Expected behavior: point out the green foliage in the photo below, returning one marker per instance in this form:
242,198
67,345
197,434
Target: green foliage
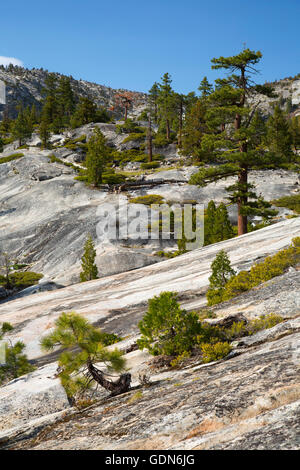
233,136
22,127
271,267
74,331
215,352
110,338
112,178
147,200
96,158
135,136
16,362
21,280
217,226
291,202
193,130
129,127
263,323
278,137
150,165
14,156
89,268
221,274
240,329
166,328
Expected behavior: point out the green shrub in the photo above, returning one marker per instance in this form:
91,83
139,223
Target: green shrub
14,156
263,323
150,165
215,352
113,178
147,200
134,136
271,267
16,363
166,328
291,202
237,285
81,177
222,272
160,140
21,280
54,159
129,127
110,338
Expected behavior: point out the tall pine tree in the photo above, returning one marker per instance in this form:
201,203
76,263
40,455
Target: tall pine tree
89,268
228,118
96,157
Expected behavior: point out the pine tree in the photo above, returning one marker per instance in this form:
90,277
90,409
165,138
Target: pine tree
223,228
295,132
228,118
278,137
153,95
66,99
16,362
221,273
193,129
166,104
217,226
166,328
96,157
209,223
182,104
44,132
85,112
22,128
50,111
205,88
84,348
89,268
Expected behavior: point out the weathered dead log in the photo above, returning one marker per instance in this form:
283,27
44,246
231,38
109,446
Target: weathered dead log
130,185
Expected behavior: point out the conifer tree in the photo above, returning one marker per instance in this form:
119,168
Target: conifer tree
223,228
22,128
153,100
84,347
89,268
295,132
278,137
228,118
16,362
193,129
166,103
44,132
209,223
66,99
85,112
217,226
96,157
205,88
221,273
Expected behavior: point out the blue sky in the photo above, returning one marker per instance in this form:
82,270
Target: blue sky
130,44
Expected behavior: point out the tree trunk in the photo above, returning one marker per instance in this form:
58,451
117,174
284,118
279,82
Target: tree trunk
168,129
242,201
125,112
149,139
180,124
122,385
